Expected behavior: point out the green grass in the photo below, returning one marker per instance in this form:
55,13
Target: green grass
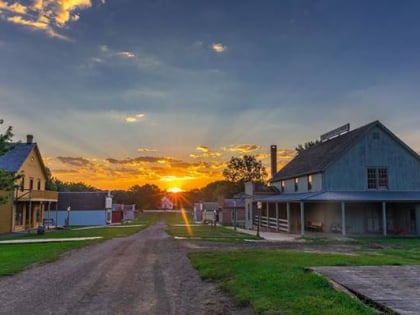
275,281
206,233
179,225
15,258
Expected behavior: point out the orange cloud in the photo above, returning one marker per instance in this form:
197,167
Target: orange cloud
242,148
45,15
163,171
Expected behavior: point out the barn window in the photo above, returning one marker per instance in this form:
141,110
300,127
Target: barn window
296,184
371,178
309,182
382,178
282,186
377,178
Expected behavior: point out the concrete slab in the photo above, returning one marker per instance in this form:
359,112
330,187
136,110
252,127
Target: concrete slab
395,288
271,236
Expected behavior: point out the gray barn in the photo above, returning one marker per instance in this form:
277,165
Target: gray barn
364,181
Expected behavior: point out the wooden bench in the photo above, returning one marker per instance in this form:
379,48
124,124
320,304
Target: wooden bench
315,226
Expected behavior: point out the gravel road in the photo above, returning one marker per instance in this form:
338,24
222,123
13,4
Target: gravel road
146,273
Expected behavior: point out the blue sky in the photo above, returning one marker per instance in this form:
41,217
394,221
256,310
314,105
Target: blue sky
165,92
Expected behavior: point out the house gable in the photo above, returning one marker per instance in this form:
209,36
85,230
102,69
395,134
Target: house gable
33,169
342,162
378,148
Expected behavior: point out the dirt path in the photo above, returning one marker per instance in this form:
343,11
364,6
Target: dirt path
146,273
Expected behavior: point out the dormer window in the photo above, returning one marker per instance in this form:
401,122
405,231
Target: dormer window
31,183
296,184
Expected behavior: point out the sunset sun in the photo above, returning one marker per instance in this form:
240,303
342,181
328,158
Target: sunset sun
174,190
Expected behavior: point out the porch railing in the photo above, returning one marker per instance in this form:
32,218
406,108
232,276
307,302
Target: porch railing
273,223
37,195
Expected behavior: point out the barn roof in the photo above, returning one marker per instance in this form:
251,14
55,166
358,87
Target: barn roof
318,157
82,200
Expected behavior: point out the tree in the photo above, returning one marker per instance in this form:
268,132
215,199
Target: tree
221,188
7,179
54,184
300,148
245,169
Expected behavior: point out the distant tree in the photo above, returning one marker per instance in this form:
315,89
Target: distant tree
300,148
221,188
144,197
244,169
54,184
7,179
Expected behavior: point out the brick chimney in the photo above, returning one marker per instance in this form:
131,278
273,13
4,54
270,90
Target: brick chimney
273,153
29,139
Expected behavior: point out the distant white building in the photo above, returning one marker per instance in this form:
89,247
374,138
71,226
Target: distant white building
166,203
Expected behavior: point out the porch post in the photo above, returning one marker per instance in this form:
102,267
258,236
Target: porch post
288,216
277,215
343,218
384,223
56,214
302,218
30,214
267,205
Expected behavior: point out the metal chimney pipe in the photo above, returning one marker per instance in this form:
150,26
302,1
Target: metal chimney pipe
273,153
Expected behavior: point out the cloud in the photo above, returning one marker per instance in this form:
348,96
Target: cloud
134,119
203,148
218,48
49,16
242,148
125,54
74,161
146,150
205,152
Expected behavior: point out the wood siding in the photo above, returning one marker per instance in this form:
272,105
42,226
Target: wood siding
375,149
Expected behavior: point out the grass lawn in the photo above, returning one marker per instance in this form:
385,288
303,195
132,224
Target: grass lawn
276,282
16,257
180,225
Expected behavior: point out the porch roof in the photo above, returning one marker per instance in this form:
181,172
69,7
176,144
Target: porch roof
357,196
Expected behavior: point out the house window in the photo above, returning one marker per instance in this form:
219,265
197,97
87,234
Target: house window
309,182
296,184
371,178
39,184
377,178
282,186
382,178
375,136
22,184
31,183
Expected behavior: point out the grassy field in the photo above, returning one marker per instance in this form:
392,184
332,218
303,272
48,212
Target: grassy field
16,257
276,281
270,281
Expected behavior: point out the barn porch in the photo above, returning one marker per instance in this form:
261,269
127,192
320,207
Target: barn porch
358,213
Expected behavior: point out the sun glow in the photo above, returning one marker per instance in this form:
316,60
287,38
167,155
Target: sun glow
174,190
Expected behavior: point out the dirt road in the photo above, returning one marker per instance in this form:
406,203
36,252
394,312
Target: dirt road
146,273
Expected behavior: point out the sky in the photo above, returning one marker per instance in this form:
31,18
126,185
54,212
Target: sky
131,92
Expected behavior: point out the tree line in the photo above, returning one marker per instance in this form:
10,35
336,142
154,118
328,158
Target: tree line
238,171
